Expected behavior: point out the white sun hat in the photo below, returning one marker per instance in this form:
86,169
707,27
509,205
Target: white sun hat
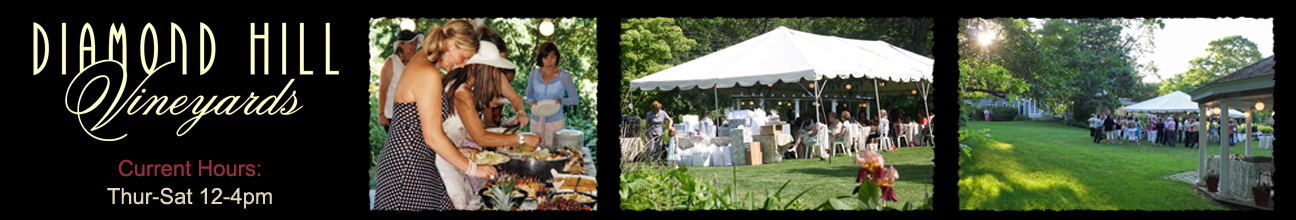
488,54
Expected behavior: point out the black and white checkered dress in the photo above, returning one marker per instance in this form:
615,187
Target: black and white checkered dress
407,173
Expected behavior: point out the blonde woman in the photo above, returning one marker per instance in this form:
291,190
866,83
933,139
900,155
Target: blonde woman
407,174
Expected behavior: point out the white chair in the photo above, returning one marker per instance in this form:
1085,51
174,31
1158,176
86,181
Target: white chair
863,136
903,136
884,139
846,141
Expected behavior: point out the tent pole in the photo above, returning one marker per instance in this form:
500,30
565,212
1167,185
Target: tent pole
927,110
877,100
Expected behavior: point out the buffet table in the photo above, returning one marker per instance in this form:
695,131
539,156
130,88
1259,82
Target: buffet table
532,203
1244,174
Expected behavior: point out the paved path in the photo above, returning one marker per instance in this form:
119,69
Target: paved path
1190,177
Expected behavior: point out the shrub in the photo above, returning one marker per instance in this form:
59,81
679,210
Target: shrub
1021,118
1003,113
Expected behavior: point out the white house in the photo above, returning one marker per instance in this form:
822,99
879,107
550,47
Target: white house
1025,107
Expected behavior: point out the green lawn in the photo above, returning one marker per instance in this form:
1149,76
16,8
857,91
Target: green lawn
1045,165
913,163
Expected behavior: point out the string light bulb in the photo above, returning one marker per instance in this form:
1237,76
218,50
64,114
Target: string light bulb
546,27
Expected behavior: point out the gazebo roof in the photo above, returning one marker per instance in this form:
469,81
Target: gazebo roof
1261,68
1242,88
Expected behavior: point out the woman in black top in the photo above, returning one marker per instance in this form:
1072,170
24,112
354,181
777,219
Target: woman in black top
1107,128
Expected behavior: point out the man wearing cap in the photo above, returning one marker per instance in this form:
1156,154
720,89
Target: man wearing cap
406,44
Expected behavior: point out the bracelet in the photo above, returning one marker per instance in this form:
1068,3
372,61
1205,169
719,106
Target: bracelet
472,168
521,140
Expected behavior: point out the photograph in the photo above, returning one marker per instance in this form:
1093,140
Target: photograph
1116,114
776,114
512,106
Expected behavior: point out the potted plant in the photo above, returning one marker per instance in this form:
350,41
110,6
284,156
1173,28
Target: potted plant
1212,181
1261,192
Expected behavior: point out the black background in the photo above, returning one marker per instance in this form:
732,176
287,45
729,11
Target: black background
312,161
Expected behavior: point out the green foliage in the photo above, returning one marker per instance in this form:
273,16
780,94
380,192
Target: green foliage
868,198
649,45
1265,128
1065,62
675,189
1003,113
965,114
1021,118
967,136
1227,54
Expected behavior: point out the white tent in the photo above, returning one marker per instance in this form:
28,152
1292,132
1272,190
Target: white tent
1175,102
791,56
776,63
789,63
1233,113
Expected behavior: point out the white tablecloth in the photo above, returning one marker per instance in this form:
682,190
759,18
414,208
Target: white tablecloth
705,155
1266,142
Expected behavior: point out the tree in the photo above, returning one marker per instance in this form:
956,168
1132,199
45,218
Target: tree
1013,62
649,45
1062,64
1227,54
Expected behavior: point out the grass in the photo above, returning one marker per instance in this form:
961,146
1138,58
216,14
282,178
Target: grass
913,163
1028,165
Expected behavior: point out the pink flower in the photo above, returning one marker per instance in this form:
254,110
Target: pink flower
888,176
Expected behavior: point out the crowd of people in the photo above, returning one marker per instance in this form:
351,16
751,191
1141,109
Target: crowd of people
1159,131
461,75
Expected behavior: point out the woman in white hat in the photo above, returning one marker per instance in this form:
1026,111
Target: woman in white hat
470,90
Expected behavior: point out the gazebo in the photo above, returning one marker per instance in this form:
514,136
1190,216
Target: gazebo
1249,88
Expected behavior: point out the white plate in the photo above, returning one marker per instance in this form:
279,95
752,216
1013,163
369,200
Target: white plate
545,108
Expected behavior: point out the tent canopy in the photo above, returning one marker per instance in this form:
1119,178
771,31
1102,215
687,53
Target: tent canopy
1175,102
785,57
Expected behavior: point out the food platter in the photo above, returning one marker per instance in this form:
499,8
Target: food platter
584,199
574,183
490,157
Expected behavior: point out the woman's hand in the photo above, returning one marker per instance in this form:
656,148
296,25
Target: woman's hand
485,172
558,101
522,118
534,102
531,140
383,121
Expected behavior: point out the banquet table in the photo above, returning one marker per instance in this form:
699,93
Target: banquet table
1244,174
1266,141
532,204
910,132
